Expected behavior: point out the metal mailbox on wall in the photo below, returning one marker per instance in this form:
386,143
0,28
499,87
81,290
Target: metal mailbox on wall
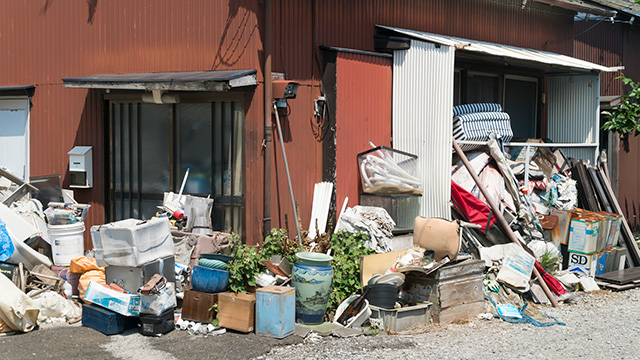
81,167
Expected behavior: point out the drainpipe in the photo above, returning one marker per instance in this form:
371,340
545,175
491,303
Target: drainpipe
268,130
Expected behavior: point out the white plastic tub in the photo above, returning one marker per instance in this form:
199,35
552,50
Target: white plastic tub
67,242
403,318
132,242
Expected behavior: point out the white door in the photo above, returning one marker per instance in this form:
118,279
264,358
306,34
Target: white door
14,136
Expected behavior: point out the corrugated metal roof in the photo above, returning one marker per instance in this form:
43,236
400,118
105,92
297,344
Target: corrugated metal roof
219,80
580,6
356,52
562,62
628,6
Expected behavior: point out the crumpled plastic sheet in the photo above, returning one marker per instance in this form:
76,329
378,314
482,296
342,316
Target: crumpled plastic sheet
567,191
55,308
373,221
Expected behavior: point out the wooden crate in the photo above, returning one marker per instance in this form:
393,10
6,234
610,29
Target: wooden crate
456,291
237,311
198,306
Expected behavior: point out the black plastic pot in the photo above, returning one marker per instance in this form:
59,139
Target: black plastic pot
382,295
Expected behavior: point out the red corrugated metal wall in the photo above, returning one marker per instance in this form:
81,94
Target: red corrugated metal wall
601,43
351,24
43,41
629,161
363,114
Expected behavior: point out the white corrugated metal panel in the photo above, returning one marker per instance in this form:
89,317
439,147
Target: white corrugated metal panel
512,52
574,108
422,112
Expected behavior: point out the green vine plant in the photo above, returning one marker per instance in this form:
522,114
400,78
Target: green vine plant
346,249
623,118
278,242
247,260
244,266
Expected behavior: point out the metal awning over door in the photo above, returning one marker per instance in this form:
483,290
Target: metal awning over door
423,101
218,80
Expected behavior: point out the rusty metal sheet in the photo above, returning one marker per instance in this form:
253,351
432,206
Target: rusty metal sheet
363,114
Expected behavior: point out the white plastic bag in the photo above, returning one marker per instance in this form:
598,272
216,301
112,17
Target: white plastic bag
17,310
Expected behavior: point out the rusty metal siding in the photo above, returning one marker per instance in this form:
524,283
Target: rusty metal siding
304,156
44,41
350,23
629,161
601,43
363,114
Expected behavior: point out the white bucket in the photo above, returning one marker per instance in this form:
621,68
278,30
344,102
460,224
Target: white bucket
67,242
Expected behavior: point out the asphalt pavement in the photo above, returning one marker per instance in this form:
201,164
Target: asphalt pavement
79,342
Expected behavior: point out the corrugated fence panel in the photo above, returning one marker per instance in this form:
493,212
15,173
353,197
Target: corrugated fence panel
363,114
422,118
574,112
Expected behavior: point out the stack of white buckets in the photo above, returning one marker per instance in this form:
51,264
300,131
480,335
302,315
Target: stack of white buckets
67,242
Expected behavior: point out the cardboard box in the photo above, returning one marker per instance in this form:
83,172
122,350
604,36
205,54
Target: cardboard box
564,223
237,311
614,229
588,264
616,258
583,237
123,303
159,303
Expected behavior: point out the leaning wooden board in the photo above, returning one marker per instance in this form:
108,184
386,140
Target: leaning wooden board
377,264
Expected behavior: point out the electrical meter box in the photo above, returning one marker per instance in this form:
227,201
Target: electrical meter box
81,167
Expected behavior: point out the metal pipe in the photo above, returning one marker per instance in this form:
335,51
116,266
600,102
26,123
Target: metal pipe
536,145
501,219
286,168
268,130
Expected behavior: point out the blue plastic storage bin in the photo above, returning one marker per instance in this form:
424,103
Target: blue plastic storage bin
106,321
209,280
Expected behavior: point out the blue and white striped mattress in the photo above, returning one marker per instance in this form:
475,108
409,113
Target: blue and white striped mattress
476,126
476,108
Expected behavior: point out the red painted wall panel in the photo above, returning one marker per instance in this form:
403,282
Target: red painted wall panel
363,114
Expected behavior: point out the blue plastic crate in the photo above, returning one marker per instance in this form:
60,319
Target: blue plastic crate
275,311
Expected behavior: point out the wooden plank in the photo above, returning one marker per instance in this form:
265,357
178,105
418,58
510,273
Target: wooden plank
459,270
633,258
462,292
463,312
377,264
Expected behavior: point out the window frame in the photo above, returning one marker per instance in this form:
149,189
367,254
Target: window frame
234,202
